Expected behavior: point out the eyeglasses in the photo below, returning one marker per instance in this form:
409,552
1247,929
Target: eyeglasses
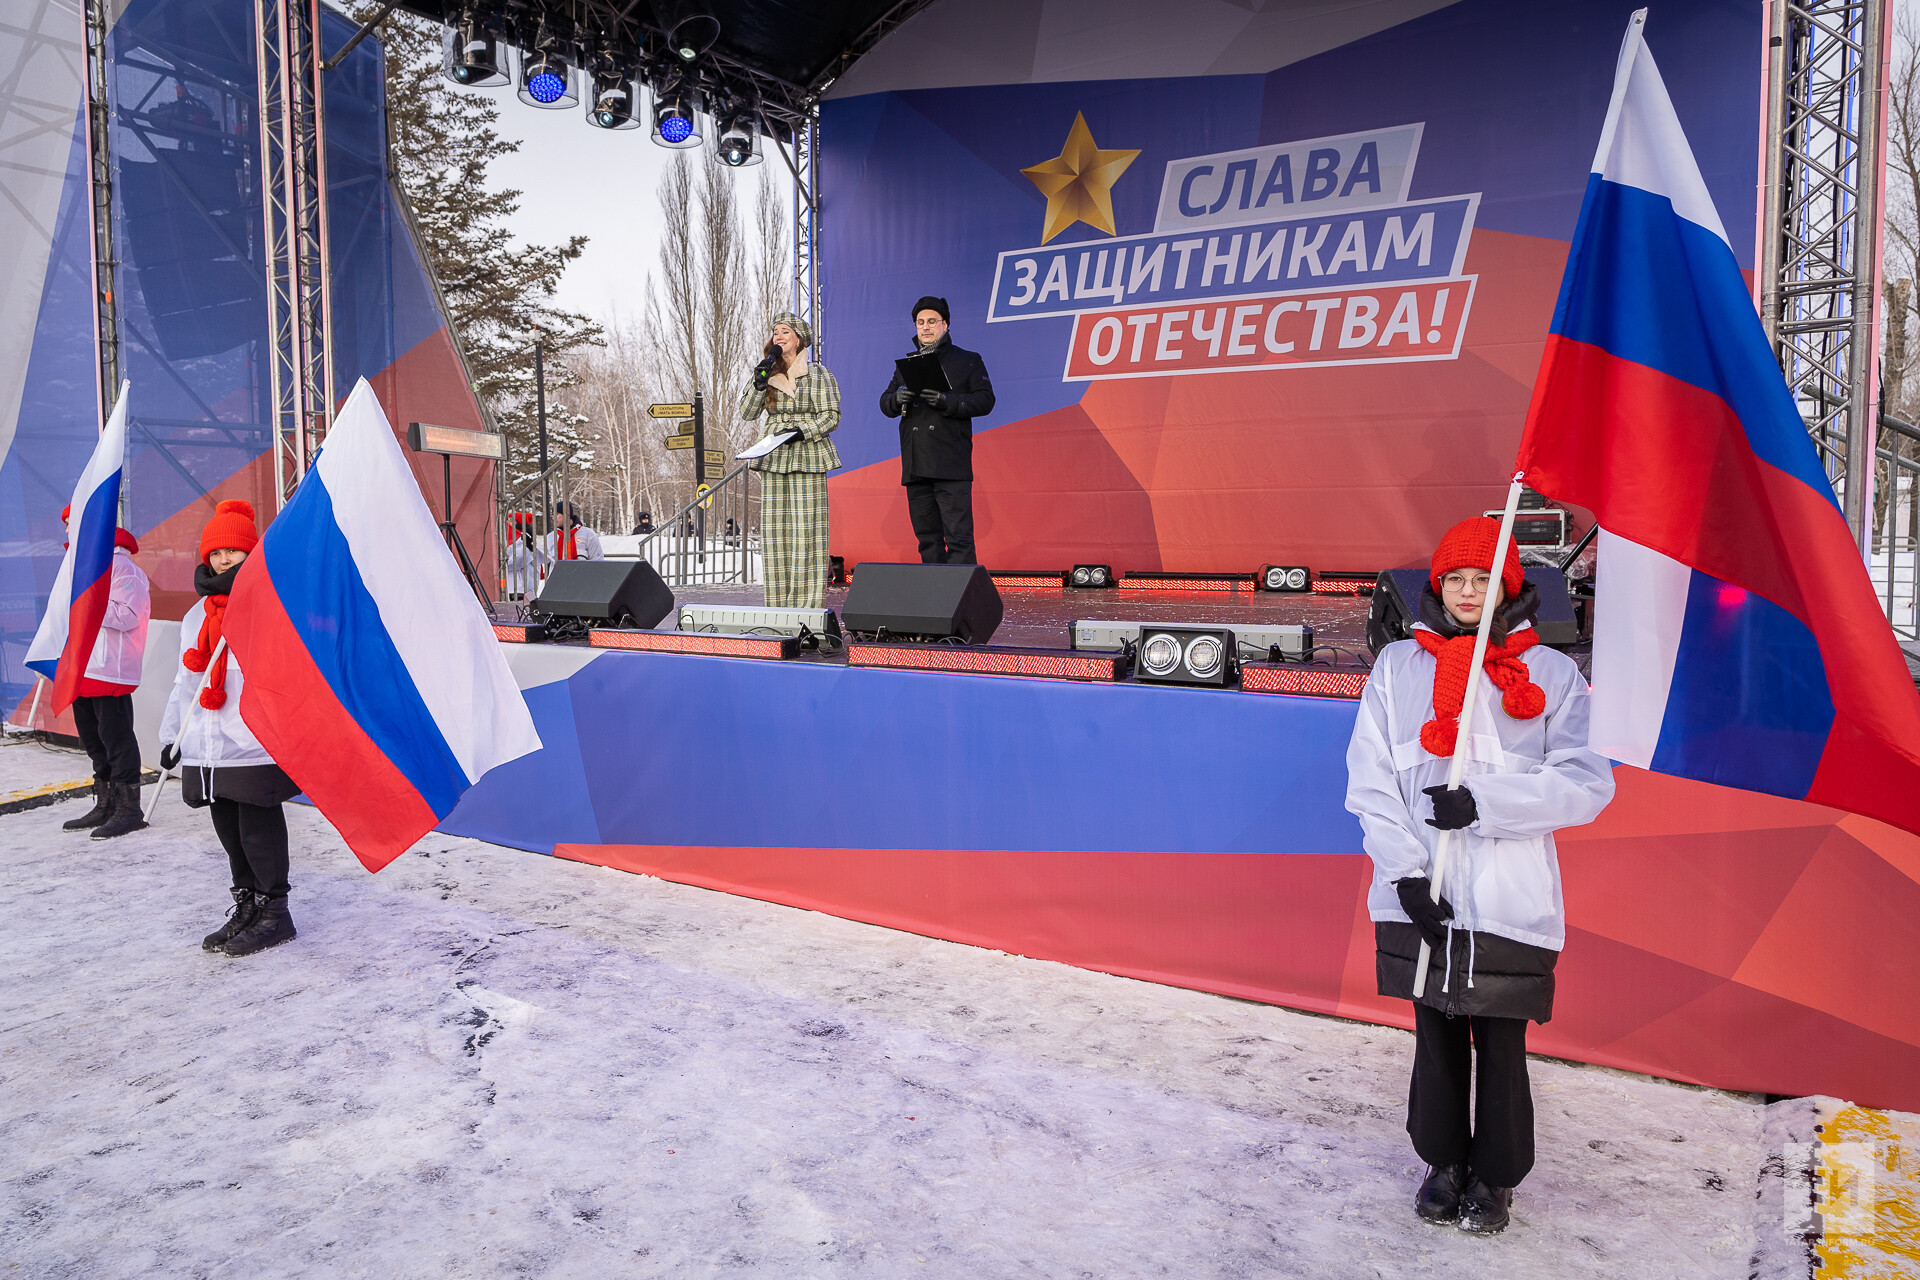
1479,582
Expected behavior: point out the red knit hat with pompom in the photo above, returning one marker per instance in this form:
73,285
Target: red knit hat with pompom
1469,545
231,528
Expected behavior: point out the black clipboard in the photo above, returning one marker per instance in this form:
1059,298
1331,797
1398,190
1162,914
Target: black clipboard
922,372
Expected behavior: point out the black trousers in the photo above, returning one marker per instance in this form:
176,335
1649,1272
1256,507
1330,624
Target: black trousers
105,726
1499,1146
255,838
942,515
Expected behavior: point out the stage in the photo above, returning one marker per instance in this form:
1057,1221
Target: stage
1198,837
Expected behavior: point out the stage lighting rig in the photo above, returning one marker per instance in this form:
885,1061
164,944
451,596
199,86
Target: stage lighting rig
1177,655
616,102
1284,577
676,119
736,141
691,30
1091,575
471,56
546,80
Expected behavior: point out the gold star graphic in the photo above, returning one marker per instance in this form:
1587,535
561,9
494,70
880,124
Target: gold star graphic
1078,183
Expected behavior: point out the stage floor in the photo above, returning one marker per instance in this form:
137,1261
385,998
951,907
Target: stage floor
1043,618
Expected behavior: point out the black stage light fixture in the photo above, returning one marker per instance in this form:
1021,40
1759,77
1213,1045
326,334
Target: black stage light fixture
735,142
1284,577
1091,575
472,57
676,122
616,102
546,80
691,29
1185,655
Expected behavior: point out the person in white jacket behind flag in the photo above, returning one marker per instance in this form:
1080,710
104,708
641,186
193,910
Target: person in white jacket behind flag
1499,925
103,713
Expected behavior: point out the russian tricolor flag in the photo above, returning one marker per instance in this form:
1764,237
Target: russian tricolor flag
78,604
1737,638
372,675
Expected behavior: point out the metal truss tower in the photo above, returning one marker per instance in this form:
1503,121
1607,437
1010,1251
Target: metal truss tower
1820,250
806,222
100,189
293,184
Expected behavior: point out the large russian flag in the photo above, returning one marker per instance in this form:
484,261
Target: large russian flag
78,603
1737,637
372,675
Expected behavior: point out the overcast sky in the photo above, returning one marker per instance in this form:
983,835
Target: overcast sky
575,179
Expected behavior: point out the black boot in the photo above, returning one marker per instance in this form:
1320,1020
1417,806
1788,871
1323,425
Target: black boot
125,814
102,805
271,926
1483,1209
1439,1197
245,908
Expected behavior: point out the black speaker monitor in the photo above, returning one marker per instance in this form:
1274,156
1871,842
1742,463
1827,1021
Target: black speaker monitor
1396,607
608,593
923,601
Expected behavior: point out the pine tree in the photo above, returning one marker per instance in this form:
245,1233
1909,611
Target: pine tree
498,293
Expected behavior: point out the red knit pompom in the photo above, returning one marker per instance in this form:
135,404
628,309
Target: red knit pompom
194,660
1524,701
1439,736
213,699
236,506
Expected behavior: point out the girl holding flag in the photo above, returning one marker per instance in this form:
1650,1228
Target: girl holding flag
224,767
1498,926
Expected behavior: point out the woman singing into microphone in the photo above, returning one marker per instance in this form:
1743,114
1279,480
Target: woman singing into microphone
795,396
1498,927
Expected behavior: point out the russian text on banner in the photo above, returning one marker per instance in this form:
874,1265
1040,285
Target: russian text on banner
81,589
1737,637
372,675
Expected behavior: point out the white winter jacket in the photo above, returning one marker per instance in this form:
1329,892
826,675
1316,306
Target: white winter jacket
585,542
1528,778
207,738
122,643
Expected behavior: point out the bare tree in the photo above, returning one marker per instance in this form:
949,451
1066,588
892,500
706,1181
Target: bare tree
1899,266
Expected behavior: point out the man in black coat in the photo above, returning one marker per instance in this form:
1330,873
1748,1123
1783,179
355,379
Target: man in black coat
936,439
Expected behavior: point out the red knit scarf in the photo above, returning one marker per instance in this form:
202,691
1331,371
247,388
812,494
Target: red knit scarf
214,696
566,545
1521,697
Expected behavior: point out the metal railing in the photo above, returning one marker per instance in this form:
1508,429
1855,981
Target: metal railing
1894,555
712,540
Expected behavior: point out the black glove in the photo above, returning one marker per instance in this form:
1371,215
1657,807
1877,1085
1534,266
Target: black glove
936,398
760,376
1452,809
169,758
1428,916
903,397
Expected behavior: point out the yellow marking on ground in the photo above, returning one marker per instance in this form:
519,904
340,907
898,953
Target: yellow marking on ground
1868,1189
51,787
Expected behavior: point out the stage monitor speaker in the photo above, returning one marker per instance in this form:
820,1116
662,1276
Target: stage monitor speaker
1396,607
608,592
923,602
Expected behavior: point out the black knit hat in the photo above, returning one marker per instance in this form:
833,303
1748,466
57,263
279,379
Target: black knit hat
931,303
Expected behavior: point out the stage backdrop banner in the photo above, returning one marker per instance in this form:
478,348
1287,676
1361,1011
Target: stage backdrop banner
1252,287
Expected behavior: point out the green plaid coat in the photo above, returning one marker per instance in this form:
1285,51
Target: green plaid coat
813,410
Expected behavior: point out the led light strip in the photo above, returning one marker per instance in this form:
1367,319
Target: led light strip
702,642
1156,582
519,633
1050,664
1309,682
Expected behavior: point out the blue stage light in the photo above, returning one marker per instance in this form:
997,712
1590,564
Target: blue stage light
676,129
546,87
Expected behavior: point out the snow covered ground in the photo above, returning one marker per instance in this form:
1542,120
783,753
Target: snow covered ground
483,1062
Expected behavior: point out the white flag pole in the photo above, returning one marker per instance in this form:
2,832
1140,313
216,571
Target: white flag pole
1458,768
153,805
